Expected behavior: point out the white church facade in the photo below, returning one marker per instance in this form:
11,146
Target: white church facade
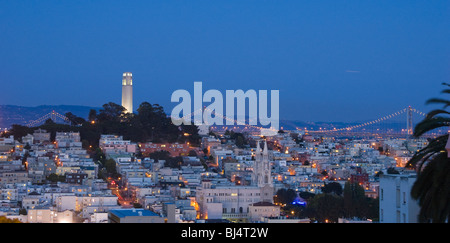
233,202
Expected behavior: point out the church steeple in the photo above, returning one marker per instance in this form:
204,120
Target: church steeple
258,152
261,167
262,176
265,152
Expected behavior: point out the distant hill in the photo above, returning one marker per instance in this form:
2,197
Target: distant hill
13,114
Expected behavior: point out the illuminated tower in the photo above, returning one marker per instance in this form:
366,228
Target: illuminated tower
127,92
261,176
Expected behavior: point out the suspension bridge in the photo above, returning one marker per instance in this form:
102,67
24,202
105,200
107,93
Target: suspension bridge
388,125
376,127
385,125
53,115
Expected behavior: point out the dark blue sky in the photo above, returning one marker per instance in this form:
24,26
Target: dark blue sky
331,60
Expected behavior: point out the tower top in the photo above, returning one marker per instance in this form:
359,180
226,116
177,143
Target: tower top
265,151
127,78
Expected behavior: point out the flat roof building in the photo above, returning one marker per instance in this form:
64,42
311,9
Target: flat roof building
134,215
396,203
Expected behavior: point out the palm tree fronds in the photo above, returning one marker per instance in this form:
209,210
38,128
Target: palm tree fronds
432,186
433,113
429,124
431,189
434,147
446,103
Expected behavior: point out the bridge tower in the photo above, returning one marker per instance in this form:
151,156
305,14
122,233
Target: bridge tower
409,123
53,115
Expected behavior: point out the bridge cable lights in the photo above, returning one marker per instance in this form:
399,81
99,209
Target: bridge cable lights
384,118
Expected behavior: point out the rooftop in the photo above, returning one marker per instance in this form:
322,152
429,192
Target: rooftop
132,212
263,204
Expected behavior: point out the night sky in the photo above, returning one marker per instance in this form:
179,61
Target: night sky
331,60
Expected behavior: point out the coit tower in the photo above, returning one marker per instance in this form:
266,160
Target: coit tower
127,92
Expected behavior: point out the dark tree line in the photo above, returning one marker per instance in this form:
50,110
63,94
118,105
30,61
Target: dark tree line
239,138
334,203
330,205
172,162
149,124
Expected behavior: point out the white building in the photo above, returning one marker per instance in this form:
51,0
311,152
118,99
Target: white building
68,140
115,144
396,204
259,211
86,204
127,92
40,215
99,218
233,202
229,202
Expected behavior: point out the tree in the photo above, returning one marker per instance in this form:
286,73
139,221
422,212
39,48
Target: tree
174,162
155,125
150,123
392,170
18,131
111,112
110,166
325,207
99,156
285,196
192,153
373,209
192,134
137,205
380,149
55,178
23,211
240,142
354,201
74,120
27,146
432,186
306,195
239,138
49,121
332,187
92,115
25,157
160,155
